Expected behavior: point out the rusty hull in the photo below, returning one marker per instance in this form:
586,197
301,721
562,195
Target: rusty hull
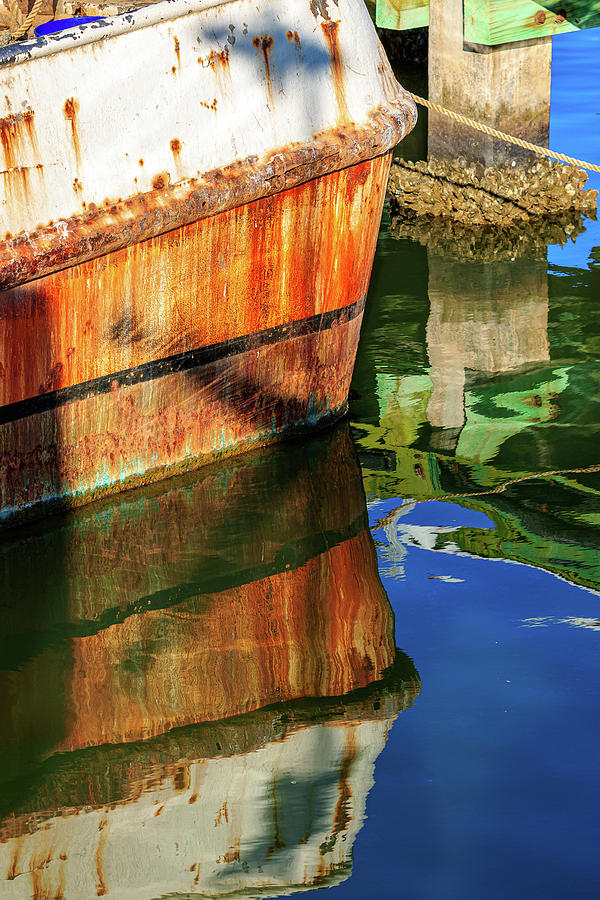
184,275
120,223
218,335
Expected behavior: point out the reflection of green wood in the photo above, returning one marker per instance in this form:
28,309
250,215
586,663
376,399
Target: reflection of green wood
508,414
494,22
402,14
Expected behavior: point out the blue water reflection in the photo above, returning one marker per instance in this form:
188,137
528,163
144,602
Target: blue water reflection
487,787
575,123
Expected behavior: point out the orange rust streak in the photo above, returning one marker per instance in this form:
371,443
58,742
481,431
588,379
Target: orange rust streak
302,252
71,109
295,37
343,815
265,45
330,30
11,136
101,888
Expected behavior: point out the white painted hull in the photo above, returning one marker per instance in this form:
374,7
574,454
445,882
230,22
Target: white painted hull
273,821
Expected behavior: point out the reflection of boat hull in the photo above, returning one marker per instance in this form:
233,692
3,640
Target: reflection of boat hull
151,643
273,806
222,830
241,603
213,307
322,629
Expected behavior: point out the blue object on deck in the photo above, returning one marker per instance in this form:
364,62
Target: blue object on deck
61,24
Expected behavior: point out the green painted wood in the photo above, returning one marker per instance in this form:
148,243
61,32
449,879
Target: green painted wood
402,14
493,22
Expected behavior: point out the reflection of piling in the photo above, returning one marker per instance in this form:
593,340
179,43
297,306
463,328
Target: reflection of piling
484,318
507,87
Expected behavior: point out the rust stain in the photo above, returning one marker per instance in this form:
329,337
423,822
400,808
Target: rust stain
233,854
216,59
159,810
17,182
330,30
278,842
161,181
77,186
176,151
343,815
41,878
13,870
11,136
207,105
141,162
295,37
193,798
71,109
321,8
177,52
101,888
265,45
222,815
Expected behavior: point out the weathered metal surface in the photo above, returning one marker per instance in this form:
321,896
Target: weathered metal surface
194,284
229,331
303,252
207,108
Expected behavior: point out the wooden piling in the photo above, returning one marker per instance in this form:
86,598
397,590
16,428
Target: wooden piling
507,87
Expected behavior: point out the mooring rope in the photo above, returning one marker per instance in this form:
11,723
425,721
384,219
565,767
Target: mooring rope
509,138
499,489
20,25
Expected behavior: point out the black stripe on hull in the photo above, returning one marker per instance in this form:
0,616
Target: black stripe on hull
179,362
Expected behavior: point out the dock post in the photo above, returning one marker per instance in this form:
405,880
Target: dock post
506,86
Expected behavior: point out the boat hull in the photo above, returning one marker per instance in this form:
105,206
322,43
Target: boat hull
223,334
187,240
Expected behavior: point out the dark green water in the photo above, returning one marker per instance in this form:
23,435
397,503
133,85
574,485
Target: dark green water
201,685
